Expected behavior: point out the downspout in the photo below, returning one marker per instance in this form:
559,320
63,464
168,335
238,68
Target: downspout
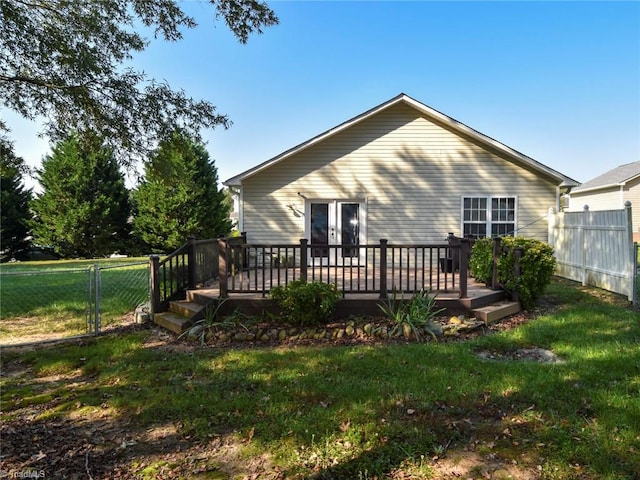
236,193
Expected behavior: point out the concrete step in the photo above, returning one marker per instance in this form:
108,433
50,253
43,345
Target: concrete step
185,308
172,321
497,311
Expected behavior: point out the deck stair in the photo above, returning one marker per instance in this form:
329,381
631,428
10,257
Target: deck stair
496,311
183,313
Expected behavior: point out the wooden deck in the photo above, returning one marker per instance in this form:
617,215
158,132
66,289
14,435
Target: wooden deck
248,291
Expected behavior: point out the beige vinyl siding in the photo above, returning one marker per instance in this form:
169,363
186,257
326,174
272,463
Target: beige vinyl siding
605,199
411,172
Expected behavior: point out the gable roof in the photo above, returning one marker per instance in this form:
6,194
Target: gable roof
439,117
616,177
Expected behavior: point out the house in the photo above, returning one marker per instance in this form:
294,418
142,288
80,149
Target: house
610,191
400,171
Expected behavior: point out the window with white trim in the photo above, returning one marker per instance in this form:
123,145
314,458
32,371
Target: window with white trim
488,216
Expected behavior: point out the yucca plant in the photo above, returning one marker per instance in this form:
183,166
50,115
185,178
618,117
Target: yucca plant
414,316
214,322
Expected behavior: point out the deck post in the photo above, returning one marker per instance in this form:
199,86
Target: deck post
517,272
383,268
303,259
154,280
222,266
496,258
464,266
192,268
245,252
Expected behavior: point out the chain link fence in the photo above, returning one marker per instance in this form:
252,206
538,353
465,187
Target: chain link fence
39,304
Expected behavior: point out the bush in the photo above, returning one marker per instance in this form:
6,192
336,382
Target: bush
306,304
537,266
413,316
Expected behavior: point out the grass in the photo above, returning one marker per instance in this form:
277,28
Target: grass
372,411
54,298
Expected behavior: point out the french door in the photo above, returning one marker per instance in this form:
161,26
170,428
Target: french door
335,222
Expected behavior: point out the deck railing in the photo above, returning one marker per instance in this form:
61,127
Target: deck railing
190,265
240,267
375,268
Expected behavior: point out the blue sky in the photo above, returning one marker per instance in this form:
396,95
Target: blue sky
557,81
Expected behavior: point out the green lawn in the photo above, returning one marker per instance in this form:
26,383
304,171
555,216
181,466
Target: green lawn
55,299
339,412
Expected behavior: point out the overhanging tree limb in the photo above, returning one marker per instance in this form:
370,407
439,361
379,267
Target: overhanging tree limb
63,60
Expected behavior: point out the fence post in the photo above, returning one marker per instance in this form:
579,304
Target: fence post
383,268
154,280
517,272
96,276
633,260
464,266
496,258
303,259
192,267
223,268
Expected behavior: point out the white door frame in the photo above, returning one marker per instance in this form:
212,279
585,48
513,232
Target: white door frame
334,231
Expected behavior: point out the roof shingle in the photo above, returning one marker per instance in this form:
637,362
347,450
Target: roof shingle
617,176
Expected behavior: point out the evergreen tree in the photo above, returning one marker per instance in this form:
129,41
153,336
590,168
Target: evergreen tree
179,196
84,209
14,201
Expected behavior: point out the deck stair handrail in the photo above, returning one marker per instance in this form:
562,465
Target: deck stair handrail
192,264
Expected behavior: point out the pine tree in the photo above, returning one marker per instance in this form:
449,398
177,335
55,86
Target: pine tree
84,209
179,196
14,201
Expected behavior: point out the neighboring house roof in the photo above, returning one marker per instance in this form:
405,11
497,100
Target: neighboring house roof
459,127
617,177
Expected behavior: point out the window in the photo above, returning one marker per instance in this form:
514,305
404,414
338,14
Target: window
488,216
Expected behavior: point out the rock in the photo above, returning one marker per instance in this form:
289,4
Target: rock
406,330
455,320
368,329
244,336
273,333
434,328
195,332
282,334
340,333
349,330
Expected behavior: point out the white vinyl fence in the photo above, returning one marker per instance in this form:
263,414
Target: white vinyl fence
596,248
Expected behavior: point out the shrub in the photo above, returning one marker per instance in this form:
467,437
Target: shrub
537,266
306,303
413,316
